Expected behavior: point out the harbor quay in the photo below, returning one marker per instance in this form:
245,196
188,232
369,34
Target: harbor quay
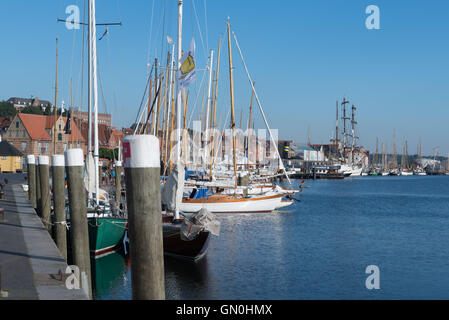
31,266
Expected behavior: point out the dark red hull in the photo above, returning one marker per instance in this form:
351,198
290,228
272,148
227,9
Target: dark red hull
175,246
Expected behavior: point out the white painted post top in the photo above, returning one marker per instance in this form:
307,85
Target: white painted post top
57,160
141,151
44,160
74,158
31,159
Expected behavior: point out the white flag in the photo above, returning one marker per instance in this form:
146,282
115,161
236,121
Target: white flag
187,73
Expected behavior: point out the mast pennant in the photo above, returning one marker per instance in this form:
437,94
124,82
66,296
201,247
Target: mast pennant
187,73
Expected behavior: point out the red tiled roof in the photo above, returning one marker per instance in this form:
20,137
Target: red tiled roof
104,133
75,135
35,126
50,121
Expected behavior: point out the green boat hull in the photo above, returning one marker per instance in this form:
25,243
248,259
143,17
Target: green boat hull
105,234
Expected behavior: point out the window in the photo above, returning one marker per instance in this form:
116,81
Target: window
39,146
17,124
59,136
47,147
24,146
59,127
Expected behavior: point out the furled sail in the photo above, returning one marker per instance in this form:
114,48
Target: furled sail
173,189
89,174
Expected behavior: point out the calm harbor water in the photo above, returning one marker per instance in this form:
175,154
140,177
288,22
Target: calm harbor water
319,248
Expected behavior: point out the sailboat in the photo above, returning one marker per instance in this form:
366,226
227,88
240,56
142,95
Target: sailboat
236,202
106,226
184,236
405,170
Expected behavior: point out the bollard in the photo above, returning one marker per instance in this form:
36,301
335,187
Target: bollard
143,196
44,177
78,215
2,214
118,182
58,184
38,188
31,163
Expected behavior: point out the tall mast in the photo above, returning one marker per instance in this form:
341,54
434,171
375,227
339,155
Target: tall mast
249,127
217,71
165,105
156,81
93,61
231,82
178,99
169,106
208,106
344,126
89,82
353,123
376,157
251,107
336,132
56,100
394,160
383,156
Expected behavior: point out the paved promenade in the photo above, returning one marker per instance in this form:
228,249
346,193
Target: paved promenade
29,258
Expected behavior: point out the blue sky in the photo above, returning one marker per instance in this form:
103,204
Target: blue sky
303,55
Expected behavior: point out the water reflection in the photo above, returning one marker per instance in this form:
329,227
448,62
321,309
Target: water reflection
110,276
186,279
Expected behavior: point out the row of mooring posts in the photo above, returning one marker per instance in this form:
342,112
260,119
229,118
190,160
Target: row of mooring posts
142,179
39,196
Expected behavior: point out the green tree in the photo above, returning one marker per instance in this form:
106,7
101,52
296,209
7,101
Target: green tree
108,153
32,110
47,110
7,109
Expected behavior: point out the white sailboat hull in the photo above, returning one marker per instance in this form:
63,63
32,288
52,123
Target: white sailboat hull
230,205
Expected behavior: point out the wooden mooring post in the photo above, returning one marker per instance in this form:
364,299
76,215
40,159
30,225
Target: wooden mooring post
44,177
31,166
143,196
118,182
58,185
78,216
38,188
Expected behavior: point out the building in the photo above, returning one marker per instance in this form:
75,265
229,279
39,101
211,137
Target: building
33,134
103,118
21,103
108,137
10,158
